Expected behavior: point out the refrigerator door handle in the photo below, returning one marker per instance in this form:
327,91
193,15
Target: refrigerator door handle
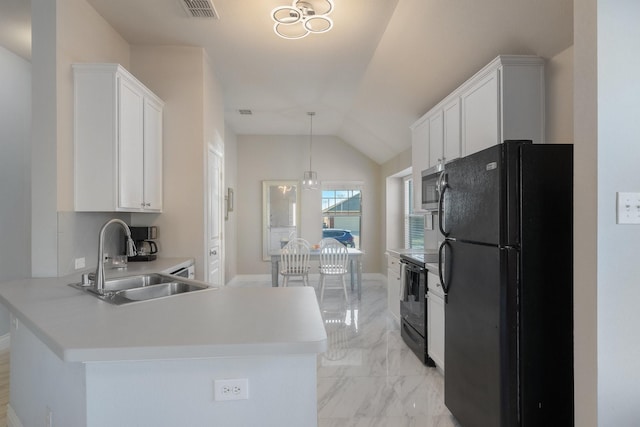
442,186
441,255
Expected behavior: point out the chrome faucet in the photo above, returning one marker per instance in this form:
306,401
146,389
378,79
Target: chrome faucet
131,251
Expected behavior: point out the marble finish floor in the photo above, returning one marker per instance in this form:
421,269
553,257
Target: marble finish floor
368,377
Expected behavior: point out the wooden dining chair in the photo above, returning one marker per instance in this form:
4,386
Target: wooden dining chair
334,258
294,261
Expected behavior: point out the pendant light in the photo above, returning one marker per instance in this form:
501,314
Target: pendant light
310,179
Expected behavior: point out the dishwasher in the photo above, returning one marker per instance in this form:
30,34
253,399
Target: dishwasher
188,272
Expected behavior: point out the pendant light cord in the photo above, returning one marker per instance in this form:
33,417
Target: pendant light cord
311,114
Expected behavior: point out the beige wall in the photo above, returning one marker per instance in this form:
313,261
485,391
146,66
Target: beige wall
185,80
585,213
392,201
63,32
176,74
286,158
69,31
82,36
559,98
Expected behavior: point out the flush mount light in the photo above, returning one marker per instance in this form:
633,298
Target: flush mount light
302,18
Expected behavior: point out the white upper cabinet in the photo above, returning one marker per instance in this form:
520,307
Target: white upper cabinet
419,158
480,114
451,115
504,100
117,141
436,139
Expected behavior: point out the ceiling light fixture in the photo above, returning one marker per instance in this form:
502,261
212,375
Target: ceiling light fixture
310,178
302,18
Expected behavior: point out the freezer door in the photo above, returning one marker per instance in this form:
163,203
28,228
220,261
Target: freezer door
472,198
480,335
481,196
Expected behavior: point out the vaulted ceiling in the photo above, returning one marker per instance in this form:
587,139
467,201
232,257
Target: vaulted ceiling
383,65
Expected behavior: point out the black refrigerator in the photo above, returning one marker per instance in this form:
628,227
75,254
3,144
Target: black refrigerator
506,264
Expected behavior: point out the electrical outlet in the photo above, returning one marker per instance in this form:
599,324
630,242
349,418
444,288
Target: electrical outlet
236,389
79,263
628,208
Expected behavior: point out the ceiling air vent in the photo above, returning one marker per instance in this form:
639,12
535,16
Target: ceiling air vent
199,8
245,112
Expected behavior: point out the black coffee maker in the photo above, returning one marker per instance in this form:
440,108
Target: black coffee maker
146,248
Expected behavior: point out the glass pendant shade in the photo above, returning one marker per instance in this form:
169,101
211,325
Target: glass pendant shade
310,180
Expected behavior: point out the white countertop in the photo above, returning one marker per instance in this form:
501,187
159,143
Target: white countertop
224,322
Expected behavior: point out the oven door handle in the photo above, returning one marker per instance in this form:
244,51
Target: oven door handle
405,290
403,285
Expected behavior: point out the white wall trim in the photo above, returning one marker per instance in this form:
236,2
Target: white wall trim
5,341
12,418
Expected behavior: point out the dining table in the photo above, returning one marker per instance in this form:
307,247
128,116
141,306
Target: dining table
355,266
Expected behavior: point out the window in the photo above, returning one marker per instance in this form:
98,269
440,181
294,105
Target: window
342,213
413,223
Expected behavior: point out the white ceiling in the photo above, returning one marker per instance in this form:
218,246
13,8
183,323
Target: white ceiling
383,65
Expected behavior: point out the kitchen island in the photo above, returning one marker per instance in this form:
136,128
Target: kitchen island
84,362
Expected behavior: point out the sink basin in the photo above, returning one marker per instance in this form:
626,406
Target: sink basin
159,291
144,287
130,282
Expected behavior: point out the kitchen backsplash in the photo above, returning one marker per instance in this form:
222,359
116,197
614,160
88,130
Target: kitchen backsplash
432,238
78,237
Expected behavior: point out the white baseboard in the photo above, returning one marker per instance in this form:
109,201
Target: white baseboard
12,418
313,277
5,341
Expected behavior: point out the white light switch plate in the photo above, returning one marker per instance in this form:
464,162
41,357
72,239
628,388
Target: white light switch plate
628,211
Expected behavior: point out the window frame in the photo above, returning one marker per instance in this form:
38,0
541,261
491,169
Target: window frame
354,186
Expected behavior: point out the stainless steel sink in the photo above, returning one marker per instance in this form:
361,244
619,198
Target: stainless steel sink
144,287
159,291
130,282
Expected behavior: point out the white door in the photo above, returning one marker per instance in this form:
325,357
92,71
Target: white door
215,274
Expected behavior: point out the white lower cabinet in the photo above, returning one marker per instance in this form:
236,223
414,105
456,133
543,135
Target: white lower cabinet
435,320
394,282
117,141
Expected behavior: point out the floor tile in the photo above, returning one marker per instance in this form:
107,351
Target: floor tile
368,377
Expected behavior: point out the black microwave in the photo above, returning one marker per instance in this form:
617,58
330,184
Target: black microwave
431,188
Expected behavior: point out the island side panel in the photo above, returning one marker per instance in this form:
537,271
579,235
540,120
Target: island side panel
40,382
282,391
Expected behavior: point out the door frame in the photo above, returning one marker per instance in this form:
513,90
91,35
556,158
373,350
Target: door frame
216,148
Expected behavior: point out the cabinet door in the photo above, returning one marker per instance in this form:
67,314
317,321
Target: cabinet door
393,286
435,325
130,145
436,139
419,159
481,114
435,319
152,156
452,130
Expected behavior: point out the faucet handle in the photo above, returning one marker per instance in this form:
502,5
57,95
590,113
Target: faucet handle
87,279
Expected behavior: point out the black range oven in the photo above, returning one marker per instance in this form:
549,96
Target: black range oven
413,307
